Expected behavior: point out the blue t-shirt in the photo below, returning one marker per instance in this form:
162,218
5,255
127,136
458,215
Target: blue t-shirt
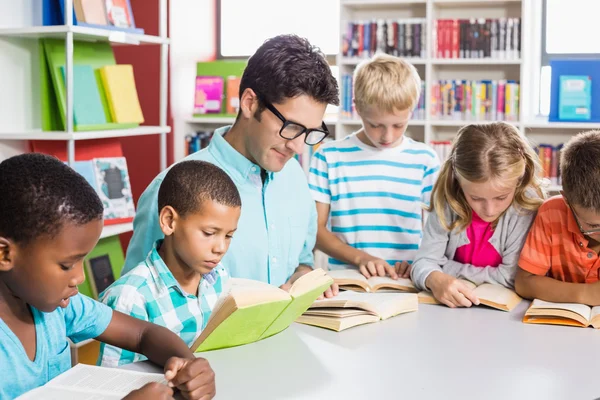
83,319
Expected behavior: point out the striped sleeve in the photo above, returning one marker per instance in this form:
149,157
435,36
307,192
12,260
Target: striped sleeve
429,178
128,300
318,178
536,255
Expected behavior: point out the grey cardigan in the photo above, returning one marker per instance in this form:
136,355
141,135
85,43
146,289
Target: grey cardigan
438,246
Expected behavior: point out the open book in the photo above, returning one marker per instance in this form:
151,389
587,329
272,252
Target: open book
572,314
350,309
253,310
87,382
491,295
352,279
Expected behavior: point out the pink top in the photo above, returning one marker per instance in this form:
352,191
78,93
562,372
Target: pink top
479,252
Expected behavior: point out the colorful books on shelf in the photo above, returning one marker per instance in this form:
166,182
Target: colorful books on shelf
252,310
89,59
442,148
498,38
468,100
233,94
398,37
349,309
110,177
209,94
102,14
102,266
550,161
570,314
197,141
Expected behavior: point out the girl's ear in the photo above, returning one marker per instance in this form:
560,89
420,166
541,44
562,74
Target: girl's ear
167,219
7,254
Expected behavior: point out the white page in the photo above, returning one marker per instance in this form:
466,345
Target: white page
580,309
347,274
378,280
82,380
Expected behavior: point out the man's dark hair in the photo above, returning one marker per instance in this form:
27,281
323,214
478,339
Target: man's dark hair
287,66
40,194
189,183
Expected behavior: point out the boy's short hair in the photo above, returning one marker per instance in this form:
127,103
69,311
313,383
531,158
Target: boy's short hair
580,170
189,183
40,194
386,82
288,66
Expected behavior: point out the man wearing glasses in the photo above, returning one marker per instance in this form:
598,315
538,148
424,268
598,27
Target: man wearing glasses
560,262
284,91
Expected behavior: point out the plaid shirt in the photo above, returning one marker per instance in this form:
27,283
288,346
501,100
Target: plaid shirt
150,292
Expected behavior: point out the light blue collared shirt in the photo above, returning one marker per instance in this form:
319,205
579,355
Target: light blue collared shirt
277,227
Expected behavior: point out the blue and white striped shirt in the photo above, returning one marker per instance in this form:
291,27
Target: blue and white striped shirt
376,196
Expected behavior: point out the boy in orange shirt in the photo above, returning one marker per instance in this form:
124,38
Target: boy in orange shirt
560,261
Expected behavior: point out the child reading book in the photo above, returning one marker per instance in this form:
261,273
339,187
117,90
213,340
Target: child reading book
370,186
482,206
178,284
559,262
51,219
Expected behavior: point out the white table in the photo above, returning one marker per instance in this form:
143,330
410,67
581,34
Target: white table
434,353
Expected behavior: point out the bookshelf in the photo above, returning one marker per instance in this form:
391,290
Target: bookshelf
523,68
21,44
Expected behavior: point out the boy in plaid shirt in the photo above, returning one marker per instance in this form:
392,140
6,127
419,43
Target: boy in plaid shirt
178,284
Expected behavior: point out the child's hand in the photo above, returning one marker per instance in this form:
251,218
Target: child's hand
450,291
403,269
152,390
194,378
373,266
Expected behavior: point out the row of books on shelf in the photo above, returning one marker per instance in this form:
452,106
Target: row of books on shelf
213,91
104,14
197,141
498,38
473,100
348,111
398,37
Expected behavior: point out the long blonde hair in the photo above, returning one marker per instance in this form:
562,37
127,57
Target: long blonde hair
481,152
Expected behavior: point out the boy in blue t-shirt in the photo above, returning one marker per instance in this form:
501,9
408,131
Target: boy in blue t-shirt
50,219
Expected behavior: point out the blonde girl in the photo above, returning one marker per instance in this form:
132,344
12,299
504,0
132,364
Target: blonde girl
482,206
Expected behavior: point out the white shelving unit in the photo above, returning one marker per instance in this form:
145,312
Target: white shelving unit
71,34
524,69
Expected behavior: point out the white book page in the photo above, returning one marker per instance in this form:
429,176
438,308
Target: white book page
383,304
580,309
595,311
82,381
347,274
378,280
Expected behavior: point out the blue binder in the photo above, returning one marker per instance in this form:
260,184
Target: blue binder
589,68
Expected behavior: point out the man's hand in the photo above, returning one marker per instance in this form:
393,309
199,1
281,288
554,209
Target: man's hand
332,291
372,266
152,390
450,291
194,378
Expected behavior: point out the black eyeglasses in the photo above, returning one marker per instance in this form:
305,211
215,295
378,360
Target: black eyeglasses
589,232
291,130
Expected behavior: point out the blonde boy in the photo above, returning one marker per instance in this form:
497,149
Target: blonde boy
560,261
370,186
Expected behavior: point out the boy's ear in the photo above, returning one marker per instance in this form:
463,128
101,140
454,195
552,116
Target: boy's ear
167,219
7,254
248,103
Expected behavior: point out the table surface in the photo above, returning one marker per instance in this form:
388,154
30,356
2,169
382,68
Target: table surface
434,353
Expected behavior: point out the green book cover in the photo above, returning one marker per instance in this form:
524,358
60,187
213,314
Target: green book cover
111,247
295,309
87,106
245,325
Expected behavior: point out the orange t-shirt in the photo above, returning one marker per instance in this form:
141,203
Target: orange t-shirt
556,247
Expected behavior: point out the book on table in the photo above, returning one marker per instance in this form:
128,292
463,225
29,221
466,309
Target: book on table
251,310
92,382
491,295
570,314
349,309
352,279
